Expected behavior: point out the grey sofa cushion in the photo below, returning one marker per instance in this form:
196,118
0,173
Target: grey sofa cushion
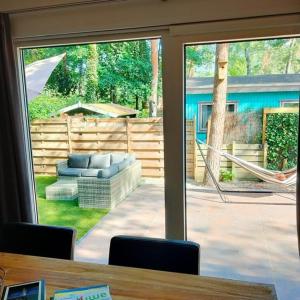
118,157
108,172
123,164
90,172
80,161
76,172
131,158
99,161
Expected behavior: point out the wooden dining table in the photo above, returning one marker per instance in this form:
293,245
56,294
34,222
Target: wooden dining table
127,283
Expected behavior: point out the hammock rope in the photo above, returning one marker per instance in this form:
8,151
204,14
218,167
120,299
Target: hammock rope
287,177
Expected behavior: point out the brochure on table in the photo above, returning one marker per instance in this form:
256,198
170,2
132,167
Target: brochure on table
98,292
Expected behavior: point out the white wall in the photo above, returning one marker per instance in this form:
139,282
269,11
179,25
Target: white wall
114,15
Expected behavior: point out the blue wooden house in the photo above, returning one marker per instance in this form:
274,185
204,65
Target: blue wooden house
245,93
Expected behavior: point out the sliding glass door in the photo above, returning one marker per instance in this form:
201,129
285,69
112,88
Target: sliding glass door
96,123
242,116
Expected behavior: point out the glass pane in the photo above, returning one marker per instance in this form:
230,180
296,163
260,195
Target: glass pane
291,104
206,112
230,107
96,114
241,170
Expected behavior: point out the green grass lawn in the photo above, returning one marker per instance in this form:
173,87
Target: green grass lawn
65,213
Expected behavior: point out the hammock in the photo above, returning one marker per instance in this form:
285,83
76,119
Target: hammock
287,177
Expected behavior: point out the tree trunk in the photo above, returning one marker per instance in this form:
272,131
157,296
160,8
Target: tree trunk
218,112
154,83
290,56
248,60
137,105
80,84
113,97
266,62
92,74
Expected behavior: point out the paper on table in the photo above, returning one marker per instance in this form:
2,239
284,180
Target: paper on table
99,292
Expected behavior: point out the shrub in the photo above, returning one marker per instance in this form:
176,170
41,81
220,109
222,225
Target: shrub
226,175
45,106
282,138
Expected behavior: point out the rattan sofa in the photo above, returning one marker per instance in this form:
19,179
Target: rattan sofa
105,191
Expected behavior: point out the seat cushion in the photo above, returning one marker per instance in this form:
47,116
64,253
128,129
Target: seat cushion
118,157
123,164
90,172
76,172
99,161
108,172
80,161
131,158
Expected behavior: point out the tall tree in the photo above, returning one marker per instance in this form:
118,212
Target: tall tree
291,51
218,112
154,82
92,74
247,58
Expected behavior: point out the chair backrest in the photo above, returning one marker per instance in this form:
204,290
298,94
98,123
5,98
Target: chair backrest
156,254
37,240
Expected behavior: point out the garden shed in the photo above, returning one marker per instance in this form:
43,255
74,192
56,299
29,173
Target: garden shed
107,110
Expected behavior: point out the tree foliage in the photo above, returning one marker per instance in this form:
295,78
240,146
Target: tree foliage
282,139
121,72
44,106
118,72
278,56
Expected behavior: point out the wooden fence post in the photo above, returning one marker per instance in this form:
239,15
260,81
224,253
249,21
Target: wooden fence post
69,134
128,133
265,155
233,153
195,147
264,126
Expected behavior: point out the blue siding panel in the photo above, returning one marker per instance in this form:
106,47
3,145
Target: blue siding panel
245,102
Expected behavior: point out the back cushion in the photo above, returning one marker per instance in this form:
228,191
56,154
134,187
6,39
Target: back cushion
99,161
118,157
80,161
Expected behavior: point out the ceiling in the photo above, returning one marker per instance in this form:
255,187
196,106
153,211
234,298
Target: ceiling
20,5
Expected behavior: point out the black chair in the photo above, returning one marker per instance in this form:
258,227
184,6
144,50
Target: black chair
37,240
156,254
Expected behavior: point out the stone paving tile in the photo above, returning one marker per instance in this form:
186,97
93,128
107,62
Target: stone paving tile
252,238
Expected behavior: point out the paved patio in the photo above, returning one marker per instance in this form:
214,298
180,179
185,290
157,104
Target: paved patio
253,237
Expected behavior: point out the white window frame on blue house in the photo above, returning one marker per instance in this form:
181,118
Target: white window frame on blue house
289,101
200,112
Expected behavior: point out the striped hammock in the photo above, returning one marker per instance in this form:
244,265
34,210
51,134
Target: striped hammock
287,177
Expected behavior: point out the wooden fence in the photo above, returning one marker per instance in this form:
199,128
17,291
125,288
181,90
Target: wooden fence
54,139
254,153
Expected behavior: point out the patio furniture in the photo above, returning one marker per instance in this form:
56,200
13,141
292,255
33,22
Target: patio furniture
286,178
97,165
108,192
37,240
63,189
98,180
156,254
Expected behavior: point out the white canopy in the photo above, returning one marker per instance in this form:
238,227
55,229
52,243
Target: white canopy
38,73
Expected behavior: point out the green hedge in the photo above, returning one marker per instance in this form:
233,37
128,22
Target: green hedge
44,106
282,139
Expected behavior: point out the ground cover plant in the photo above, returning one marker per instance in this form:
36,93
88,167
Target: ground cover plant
65,213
